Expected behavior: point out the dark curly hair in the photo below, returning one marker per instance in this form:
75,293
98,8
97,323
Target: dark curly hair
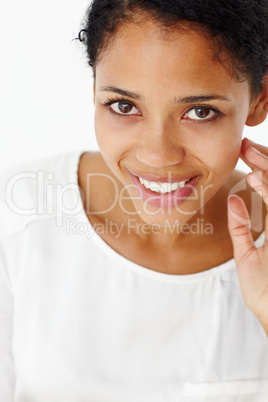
240,27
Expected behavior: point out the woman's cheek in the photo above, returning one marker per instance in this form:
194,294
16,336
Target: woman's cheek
224,149
115,136
104,132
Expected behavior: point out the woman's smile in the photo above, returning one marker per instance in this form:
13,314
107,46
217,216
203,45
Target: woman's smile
172,130
165,194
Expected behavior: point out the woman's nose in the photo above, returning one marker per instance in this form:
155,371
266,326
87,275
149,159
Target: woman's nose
160,149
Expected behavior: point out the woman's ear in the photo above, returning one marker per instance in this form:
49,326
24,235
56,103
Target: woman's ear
259,108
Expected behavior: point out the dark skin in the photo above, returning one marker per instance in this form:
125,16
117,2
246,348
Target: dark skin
158,137
146,251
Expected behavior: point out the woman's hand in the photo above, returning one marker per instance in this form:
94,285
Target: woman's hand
251,262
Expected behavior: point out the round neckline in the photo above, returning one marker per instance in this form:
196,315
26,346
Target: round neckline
211,272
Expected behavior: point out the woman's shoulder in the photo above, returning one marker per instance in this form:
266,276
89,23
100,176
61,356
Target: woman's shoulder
28,188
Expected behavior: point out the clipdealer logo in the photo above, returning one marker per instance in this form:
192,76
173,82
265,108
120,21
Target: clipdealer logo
36,193
107,227
31,193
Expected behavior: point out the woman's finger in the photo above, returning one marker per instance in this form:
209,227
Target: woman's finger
247,162
239,228
249,143
262,175
259,186
245,155
256,158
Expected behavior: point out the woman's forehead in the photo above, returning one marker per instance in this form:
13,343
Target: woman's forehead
140,52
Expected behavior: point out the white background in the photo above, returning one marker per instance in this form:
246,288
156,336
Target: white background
46,84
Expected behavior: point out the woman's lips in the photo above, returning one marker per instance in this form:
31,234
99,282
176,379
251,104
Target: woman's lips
168,179
167,200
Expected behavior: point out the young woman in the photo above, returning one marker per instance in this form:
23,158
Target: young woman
152,283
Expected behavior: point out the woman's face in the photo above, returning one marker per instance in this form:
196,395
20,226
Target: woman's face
173,113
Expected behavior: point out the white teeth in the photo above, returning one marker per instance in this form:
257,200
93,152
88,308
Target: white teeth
162,188
141,180
175,186
166,188
153,186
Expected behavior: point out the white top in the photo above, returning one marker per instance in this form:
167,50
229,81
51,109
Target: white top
80,323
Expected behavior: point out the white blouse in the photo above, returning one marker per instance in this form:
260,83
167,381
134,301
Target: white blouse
81,323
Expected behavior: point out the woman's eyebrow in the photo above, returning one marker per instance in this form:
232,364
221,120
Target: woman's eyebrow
186,99
201,98
130,94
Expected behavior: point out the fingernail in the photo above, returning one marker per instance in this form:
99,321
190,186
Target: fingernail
232,196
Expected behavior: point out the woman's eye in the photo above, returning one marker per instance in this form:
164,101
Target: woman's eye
124,108
201,113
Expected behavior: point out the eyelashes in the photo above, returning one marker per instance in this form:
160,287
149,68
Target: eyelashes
201,108
112,101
